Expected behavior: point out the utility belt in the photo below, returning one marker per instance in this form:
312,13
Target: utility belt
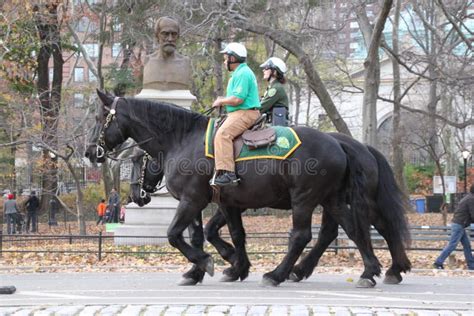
279,116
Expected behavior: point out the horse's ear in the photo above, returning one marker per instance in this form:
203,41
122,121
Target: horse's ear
106,99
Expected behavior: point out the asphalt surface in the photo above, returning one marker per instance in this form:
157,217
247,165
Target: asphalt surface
416,292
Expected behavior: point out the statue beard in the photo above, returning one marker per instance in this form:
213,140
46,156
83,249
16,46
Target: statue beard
169,48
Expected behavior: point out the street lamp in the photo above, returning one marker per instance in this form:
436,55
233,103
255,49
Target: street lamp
465,156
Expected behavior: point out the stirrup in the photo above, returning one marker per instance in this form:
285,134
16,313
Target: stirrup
212,182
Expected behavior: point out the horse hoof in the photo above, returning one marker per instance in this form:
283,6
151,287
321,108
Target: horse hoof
269,282
187,281
365,284
392,279
209,266
294,277
228,278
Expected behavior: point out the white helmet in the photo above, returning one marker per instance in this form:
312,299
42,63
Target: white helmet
275,63
235,49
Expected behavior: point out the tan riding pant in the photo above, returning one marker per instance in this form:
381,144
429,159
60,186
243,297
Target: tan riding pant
235,124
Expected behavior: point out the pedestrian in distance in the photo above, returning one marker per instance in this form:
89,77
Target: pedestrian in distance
10,210
462,218
32,206
114,205
101,207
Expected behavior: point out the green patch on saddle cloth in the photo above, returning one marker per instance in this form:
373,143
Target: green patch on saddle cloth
286,143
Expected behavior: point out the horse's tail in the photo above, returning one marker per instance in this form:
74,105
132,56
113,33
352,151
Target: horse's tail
391,201
356,196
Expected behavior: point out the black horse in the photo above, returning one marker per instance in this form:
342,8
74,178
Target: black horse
386,215
319,172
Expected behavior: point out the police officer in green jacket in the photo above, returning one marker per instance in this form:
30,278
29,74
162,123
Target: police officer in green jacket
275,99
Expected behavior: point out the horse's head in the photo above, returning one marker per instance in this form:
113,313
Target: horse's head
107,132
146,175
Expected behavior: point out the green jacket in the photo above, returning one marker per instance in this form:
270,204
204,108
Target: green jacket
275,95
243,85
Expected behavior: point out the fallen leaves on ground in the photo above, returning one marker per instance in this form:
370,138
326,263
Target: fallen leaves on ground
264,254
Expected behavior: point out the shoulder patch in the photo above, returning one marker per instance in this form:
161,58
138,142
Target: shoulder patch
272,92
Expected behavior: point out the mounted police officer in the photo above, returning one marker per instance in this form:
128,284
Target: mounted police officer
275,99
242,105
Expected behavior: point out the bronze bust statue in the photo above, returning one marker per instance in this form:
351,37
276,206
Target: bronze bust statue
166,69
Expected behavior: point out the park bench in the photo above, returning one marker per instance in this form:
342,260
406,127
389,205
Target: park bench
424,238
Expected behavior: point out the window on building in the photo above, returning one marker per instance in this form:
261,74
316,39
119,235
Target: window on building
92,50
354,45
116,25
92,77
86,25
78,100
116,48
354,25
79,74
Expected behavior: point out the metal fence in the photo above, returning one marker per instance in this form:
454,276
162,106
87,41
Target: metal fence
424,238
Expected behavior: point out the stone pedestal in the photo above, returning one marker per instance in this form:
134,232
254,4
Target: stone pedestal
182,98
148,225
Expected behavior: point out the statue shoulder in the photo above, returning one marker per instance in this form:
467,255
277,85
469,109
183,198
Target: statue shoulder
154,55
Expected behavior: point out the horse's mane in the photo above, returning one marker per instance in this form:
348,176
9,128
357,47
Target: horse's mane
163,117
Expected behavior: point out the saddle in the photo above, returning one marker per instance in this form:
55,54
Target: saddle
256,136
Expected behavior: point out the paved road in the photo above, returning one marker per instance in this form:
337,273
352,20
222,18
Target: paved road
157,293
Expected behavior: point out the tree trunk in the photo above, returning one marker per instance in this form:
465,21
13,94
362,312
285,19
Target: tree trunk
308,109
219,87
372,70
79,200
50,39
297,96
397,149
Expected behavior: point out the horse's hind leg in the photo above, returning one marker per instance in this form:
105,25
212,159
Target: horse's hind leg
239,260
358,230
400,261
327,234
195,274
299,237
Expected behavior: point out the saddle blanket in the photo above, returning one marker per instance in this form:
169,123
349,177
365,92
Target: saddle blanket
287,141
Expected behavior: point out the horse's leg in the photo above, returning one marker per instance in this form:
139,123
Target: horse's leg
195,275
240,261
358,230
299,237
186,212
327,234
400,261
225,249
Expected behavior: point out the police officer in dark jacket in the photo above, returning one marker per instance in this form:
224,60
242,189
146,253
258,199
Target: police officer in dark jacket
275,99
32,206
462,218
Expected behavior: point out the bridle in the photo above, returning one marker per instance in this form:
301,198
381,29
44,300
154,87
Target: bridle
100,143
111,117
141,179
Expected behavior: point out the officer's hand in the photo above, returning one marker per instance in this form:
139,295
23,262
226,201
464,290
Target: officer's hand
217,103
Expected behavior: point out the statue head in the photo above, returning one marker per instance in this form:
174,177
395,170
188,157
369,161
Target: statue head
167,34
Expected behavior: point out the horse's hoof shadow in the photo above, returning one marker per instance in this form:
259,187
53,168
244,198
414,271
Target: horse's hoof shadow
187,282
365,283
294,277
267,282
207,265
392,279
228,278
